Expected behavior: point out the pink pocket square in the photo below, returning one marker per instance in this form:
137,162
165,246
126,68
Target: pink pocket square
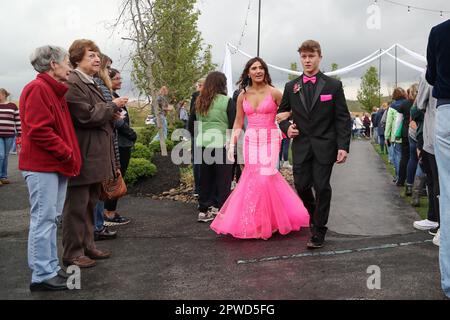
326,97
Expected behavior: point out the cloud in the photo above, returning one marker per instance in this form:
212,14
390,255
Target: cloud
340,26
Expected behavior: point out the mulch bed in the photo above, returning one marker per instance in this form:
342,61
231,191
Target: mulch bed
166,178
166,184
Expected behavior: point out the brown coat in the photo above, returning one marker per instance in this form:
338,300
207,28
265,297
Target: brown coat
92,119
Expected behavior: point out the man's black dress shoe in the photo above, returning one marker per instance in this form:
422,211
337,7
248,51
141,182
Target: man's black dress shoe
315,242
63,274
56,283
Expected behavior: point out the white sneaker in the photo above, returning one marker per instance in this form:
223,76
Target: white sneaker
205,217
425,225
213,210
437,238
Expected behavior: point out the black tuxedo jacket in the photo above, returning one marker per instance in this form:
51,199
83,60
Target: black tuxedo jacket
324,127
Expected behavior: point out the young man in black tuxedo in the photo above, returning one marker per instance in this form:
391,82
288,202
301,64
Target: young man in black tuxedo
321,135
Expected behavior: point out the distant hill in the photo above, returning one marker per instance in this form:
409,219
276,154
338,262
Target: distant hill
355,107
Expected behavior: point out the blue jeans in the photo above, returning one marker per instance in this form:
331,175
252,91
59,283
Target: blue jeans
284,150
375,135
163,120
99,220
47,196
412,163
397,154
5,147
442,152
381,142
14,147
419,172
391,153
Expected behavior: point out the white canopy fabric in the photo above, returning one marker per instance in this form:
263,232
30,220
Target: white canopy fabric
370,58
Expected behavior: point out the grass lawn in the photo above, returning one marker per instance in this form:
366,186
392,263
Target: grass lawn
423,209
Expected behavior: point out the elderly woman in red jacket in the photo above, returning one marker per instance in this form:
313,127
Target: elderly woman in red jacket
49,156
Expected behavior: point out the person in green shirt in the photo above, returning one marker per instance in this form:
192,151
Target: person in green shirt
214,115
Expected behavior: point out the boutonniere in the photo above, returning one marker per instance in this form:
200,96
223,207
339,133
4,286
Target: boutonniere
297,87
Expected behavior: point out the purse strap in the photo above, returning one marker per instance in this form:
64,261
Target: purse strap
115,163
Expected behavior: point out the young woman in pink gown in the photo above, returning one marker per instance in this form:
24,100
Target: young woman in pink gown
262,202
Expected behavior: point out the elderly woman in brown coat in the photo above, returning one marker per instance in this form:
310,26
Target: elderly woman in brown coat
93,120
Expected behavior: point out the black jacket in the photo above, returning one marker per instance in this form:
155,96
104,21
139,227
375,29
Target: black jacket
324,130
405,110
438,56
126,135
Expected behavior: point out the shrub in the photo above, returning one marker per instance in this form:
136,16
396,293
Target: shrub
139,168
155,146
177,125
141,151
147,134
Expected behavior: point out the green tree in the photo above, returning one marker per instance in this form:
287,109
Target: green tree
294,67
368,93
180,57
334,67
169,49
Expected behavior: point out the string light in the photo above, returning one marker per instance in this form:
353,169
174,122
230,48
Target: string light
441,12
244,27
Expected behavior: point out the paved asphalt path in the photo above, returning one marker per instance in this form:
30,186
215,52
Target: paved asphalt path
165,254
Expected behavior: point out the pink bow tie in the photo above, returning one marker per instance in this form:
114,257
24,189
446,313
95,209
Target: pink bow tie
306,79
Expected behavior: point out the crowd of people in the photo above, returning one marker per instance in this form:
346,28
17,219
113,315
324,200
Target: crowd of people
414,132
73,132
361,126
398,128
263,120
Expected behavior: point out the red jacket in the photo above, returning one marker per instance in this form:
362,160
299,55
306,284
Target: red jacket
49,143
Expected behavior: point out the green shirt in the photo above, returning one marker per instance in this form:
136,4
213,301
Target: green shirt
389,132
212,128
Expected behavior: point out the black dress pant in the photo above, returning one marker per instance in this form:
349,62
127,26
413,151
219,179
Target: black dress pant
429,166
403,167
215,179
308,175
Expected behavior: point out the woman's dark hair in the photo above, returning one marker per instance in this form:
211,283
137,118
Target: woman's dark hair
399,94
215,83
245,81
113,72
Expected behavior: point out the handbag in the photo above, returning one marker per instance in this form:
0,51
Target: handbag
116,187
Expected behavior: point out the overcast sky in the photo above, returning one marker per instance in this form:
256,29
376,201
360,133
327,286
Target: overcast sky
340,27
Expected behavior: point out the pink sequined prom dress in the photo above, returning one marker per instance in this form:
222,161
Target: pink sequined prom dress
262,202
